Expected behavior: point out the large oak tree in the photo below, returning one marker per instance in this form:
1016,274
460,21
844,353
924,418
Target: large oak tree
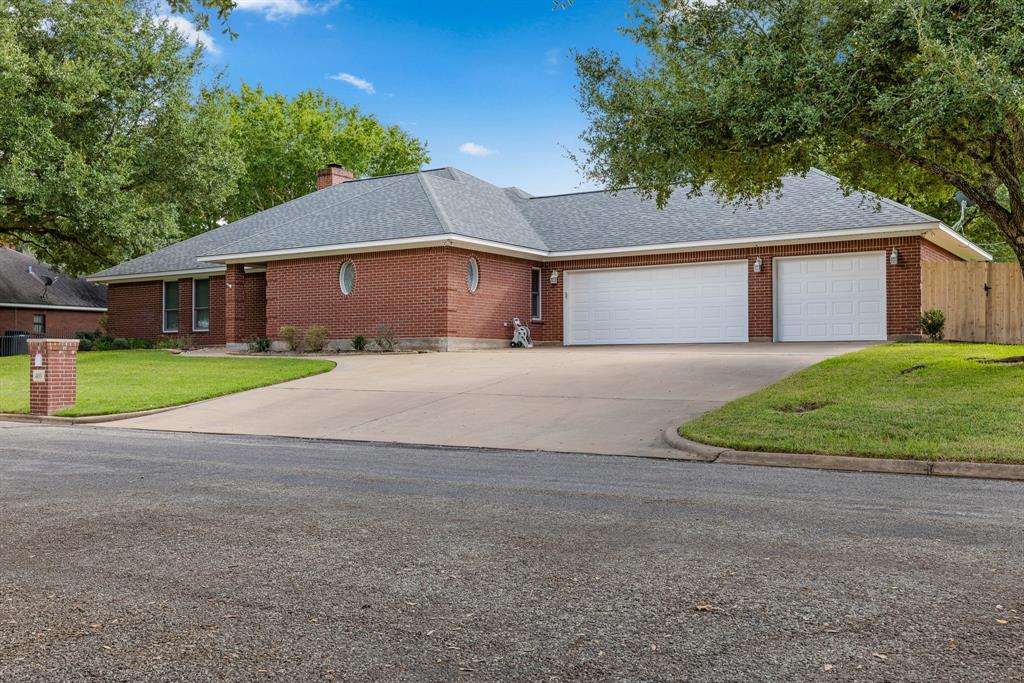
912,98
104,153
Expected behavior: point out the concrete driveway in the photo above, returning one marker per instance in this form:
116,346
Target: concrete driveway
584,399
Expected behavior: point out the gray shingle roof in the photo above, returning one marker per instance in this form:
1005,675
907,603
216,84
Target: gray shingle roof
17,286
449,201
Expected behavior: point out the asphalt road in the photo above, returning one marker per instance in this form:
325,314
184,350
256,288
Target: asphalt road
157,557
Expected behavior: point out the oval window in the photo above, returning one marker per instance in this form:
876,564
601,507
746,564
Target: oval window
347,277
472,274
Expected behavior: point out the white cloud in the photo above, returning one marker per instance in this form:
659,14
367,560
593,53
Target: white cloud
354,81
190,33
275,10
475,150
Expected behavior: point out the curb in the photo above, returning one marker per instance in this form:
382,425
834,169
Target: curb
845,463
89,419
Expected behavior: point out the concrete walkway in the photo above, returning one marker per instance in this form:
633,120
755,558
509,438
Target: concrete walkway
615,400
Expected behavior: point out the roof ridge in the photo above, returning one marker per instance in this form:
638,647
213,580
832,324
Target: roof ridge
435,204
277,226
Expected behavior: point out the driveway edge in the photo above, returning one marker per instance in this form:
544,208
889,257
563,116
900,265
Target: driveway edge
90,419
846,463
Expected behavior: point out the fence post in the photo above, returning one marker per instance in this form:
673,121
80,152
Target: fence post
53,374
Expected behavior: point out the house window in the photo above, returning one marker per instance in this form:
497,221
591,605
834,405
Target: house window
200,305
535,294
347,277
472,274
39,323
171,306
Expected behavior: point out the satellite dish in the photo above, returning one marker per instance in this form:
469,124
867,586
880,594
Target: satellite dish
45,280
962,199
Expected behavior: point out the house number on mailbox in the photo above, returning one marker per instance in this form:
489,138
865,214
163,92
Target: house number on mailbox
38,375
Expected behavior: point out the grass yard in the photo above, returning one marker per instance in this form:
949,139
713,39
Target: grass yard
872,403
123,381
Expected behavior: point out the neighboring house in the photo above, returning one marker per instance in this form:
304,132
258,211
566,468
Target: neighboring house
41,302
447,260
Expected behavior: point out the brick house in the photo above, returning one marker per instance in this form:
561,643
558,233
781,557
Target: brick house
447,260
40,301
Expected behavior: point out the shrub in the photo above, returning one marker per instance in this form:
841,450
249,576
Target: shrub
316,338
103,344
290,336
120,344
359,342
933,324
85,344
183,342
258,344
387,339
166,343
140,343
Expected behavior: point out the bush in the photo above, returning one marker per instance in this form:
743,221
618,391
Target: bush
933,324
103,344
290,336
359,342
387,339
85,344
166,343
140,343
258,344
183,342
316,338
120,344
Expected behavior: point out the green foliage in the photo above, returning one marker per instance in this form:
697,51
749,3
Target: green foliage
103,153
359,342
316,338
85,344
911,98
290,336
120,344
933,324
283,142
258,344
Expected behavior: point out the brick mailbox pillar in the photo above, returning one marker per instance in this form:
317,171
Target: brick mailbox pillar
53,375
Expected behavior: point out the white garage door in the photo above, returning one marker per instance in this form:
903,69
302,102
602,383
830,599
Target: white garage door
657,305
830,298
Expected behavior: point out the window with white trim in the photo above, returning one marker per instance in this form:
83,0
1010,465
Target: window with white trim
39,323
472,274
535,294
347,277
170,306
200,305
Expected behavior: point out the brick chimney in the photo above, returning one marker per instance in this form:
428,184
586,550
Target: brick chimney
332,175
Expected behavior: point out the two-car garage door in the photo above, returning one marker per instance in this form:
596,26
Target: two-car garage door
704,302
817,298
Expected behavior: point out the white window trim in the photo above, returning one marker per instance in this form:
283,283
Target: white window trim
194,327
341,277
163,306
540,294
472,287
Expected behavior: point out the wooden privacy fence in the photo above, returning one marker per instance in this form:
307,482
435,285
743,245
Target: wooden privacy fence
983,302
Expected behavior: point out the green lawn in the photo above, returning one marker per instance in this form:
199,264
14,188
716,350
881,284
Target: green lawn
953,408
124,381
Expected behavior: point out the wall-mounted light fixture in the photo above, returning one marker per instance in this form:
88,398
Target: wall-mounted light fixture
757,265
554,277
894,257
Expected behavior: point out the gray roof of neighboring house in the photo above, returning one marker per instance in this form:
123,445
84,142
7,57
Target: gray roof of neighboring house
448,201
18,286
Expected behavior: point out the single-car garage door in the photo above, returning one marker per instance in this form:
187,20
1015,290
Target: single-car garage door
657,305
830,298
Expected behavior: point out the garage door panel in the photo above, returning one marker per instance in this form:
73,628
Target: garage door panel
672,304
831,298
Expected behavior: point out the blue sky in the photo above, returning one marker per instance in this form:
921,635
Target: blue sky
493,73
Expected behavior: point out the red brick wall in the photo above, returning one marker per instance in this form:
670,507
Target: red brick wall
406,290
502,294
903,281
933,252
134,310
255,306
57,322
60,383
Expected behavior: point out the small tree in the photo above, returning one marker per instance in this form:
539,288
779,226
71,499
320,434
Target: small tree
933,324
316,338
